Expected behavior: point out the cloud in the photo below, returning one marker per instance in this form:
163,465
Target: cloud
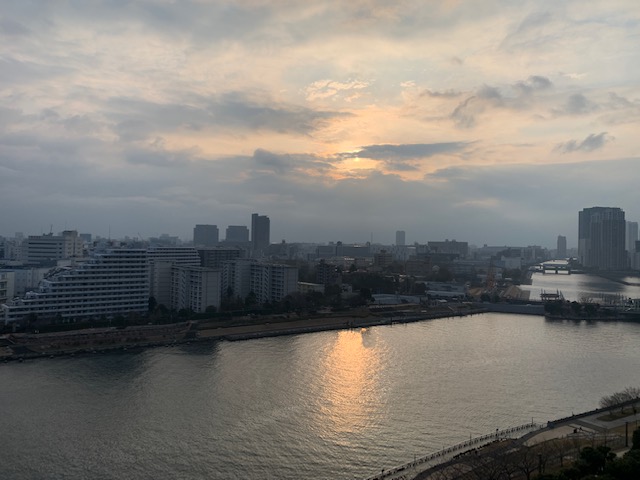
442,94
515,97
576,104
533,84
137,119
322,89
589,144
212,110
531,33
408,151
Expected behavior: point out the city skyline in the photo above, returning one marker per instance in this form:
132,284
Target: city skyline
491,123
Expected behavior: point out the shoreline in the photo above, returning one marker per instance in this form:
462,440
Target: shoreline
92,341
21,347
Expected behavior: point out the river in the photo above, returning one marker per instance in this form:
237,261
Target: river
328,405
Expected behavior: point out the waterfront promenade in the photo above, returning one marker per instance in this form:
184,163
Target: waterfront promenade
564,436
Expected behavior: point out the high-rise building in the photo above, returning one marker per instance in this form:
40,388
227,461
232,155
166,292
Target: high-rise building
205,235
601,238
561,251
260,232
632,236
400,237
237,234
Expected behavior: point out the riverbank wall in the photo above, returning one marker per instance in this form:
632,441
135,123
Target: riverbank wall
533,308
90,341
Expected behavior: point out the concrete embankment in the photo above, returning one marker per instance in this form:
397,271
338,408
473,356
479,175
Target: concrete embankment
29,346
528,309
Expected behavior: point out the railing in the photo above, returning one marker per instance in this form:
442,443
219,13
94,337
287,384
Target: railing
448,453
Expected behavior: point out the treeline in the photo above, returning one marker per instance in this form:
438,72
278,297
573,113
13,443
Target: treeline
602,464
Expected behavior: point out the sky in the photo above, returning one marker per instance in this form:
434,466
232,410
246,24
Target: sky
491,122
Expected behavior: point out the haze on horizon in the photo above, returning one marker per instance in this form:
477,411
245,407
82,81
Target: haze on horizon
489,122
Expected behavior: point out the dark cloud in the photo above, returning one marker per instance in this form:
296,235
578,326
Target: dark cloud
239,110
533,84
278,163
464,115
283,164
577,104
489,93
138,119
592,142
407,151
443,94
519,96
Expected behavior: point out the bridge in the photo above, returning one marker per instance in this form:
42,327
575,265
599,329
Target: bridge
556,267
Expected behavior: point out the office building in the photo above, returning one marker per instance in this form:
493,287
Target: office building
632,236
260,232
601,238
237,234
205,235
400,238
382,259
561,249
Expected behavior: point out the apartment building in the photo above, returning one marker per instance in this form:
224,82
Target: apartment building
110,283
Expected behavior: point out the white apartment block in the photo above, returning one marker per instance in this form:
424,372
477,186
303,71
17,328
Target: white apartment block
195,288
49,248
161,260
269,282
5,286
112,282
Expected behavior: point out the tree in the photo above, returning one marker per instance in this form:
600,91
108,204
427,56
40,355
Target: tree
576,308
211,309
620,398
251,300
365,293
593,460
635,439
153,303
